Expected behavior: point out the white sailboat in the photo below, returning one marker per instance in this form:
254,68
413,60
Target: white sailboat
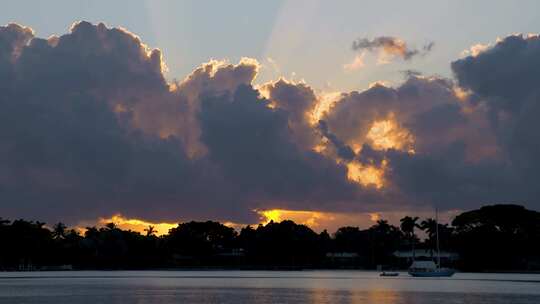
429,268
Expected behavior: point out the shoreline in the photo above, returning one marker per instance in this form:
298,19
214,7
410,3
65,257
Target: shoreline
270,269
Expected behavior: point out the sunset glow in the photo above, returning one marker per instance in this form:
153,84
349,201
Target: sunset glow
137,225
387,134
366,175
324,105
143,122
320,220
308,218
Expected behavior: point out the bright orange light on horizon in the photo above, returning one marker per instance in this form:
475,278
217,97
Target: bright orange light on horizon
308,218
374,217
137,225
320,220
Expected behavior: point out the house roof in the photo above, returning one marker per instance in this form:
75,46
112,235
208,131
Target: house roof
424,253
424,264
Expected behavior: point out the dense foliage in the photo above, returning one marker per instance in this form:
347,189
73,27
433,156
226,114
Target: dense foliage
499,237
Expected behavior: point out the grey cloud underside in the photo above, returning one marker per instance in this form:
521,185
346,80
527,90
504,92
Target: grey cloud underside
391,45
441,171
506,80
67,153
90,127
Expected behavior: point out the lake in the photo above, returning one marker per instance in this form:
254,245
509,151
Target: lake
357,287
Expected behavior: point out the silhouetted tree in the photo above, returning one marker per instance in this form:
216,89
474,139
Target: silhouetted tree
385,239
284,243
200,238
59,231
499,237
407,227
150,230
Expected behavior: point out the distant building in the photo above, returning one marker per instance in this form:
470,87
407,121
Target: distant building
343,260
57,268
234,252
342,255
426,254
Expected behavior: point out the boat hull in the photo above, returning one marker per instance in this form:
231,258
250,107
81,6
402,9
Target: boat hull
442,273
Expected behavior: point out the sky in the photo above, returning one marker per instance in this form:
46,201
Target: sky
240,111
306,39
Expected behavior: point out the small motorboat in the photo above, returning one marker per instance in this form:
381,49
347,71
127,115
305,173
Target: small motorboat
389,274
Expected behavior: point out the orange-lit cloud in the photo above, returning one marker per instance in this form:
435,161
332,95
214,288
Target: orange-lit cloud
387,134
317,220
476,50
356,64
324,104
389,47
148,141
374,217
136,225
309,218
174,113
331,221
366,175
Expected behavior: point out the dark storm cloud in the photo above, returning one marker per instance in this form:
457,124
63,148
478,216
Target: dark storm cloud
298,100
65,153
68,146
79,136
89,127
505,77
343,151
443,170
13,38
507,73
499,115
391,46
354,114
253,145
444,178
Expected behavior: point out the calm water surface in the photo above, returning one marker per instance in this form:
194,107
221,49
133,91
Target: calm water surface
356,287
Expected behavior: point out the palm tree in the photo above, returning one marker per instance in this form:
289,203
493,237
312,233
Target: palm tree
150,230
407,226
430,227
59,231
4,222
110,226
382,226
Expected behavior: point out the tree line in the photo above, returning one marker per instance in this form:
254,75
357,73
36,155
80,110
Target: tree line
497,237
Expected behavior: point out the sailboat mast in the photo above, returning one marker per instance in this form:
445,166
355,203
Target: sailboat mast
437,237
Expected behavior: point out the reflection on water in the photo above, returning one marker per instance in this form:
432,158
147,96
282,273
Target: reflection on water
375,296
317,287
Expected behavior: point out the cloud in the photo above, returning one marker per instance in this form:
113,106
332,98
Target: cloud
504,78
356,64
299,101
424,141
253,146
343,151
174,112
389,47
475,50
73,140
90,128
